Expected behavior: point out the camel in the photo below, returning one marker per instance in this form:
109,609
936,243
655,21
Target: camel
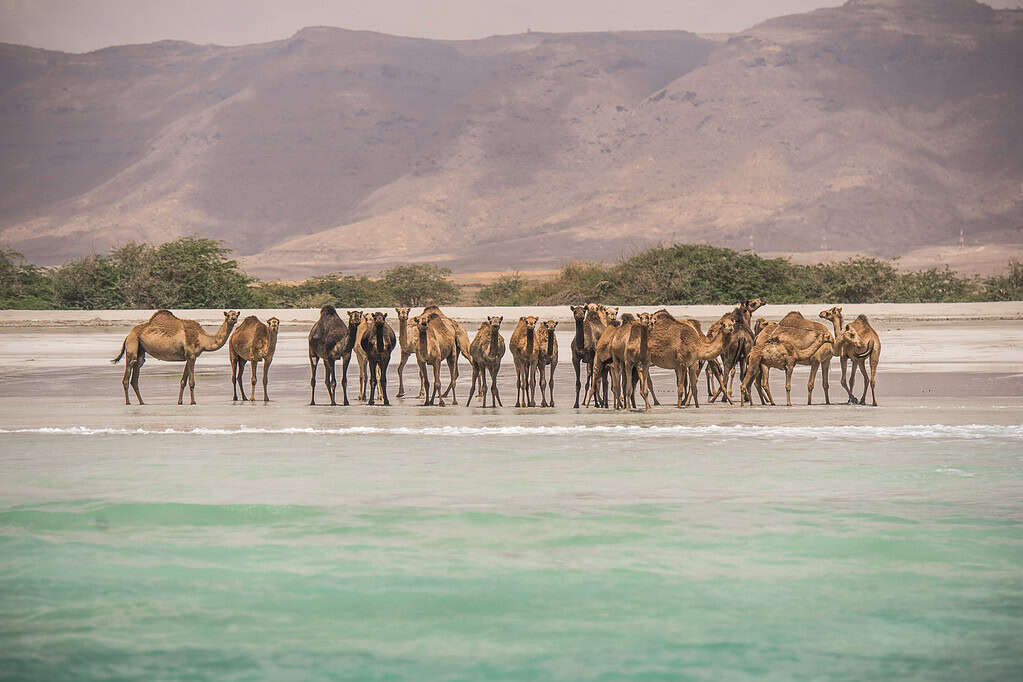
170,339
630,353
598,388
251,342
693,349
664,337
377,345
800,332
360,355
329,339
486,351
525,353
590,321
738,348
547,356
781,354
436,343
847,352
407,340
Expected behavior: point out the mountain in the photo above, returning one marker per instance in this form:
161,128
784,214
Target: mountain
880,126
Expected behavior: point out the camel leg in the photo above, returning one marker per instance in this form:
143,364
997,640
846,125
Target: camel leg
591,384
345,361
873,373
252,395
694,379
234,377
330,379
852,383
550,382
495,395
650,385
190,368
543,385
531,384
644,387
313,361
845,384
453,374
184,380
129,368
578,383
372,379
472,385
712,366
425,382
401,367
436,383
680,387
266,371
825,371
383,383
809,385
866,382
788,385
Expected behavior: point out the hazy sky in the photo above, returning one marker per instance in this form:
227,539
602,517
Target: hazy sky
82,25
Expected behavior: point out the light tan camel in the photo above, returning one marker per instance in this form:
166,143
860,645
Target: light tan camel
598,392
781,354
360,354
800,332
630,353
847,352
525,352
486,351
694,348
251,342
407,337
547,356
170,339
435,344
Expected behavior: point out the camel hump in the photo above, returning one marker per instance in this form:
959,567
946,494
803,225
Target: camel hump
161,314
793,318
250,321
663,314
627,317
432,309
862,318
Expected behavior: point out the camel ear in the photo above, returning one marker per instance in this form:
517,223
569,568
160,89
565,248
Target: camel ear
385,316
555,323
522,319
227,314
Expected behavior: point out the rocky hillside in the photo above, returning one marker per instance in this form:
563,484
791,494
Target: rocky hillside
881,126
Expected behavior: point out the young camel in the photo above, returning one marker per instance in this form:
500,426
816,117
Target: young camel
861,347
377,344
630,352
486,351
251,342
547,356
329,339
525,353
693,349
434,345
170,339
846,352
800,332
779,353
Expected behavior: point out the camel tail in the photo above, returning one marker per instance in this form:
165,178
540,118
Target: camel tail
121,354
870,349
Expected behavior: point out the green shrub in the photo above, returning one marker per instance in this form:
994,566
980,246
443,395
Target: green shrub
1007,287
23,286
419,284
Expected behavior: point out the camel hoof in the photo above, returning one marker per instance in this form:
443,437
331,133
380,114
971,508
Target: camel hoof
442,403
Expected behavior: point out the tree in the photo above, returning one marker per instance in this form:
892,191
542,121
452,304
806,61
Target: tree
420,284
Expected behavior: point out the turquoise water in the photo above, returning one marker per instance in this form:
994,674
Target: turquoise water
512,553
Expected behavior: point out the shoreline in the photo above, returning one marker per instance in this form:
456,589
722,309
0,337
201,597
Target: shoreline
883,312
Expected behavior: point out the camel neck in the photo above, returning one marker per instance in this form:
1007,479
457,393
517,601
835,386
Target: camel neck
579,334
550,343
422,339
353,330
644,340
530,334
493,340
216,341
380,337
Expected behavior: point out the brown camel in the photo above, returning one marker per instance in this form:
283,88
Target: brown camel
251,342
800,332
781,354
436,343
329,339
525,353
378,344
741,341
693,349
590,322
846,352
547,356
360,355
170,339
630,353
664,339
487,350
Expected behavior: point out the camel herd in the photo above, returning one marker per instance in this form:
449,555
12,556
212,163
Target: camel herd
611,355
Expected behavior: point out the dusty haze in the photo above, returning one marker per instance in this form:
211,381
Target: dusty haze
879,126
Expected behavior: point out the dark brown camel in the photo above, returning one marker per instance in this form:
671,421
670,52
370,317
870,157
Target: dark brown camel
378,343
330,339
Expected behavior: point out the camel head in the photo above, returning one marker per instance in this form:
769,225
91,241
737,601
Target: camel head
752,304
831,313
759,326
354,318
530,322
646,320
402,314
593,307
231,316
852,337
272,324
723,326
579,312
378,320
550,325
495,322
612,314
